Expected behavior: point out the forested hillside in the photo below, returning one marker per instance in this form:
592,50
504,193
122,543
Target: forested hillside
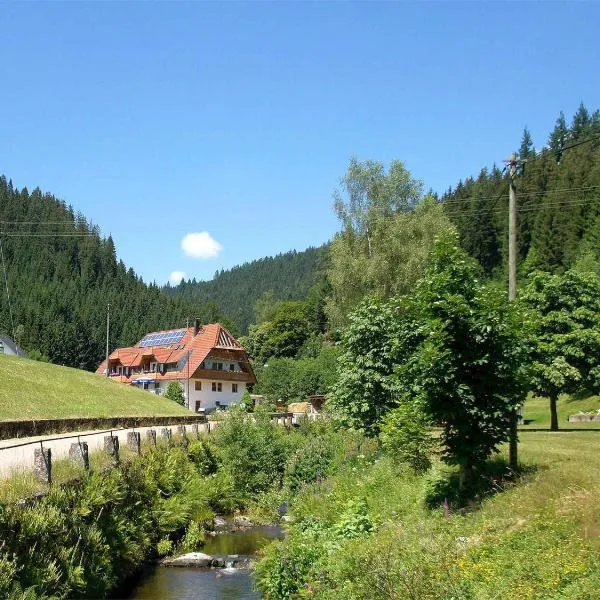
235,292
558,194
61,276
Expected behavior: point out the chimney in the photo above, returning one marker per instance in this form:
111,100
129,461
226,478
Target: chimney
196,327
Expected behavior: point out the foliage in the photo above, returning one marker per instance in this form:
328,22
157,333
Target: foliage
235,292
468,367
526,541
371,350
355,521
312,461
253,450
566,337
558,198
85,537
454,347
194,537
175,392
246,401
383,246
287,379
204,455
88,535
282,336
406,436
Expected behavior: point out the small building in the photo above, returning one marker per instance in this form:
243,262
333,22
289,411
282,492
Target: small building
9,347
209,363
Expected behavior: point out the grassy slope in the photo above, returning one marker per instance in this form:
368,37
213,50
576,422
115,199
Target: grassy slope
539,539
34,390
537,411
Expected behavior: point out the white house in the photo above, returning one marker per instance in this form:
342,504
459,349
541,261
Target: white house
7,346
209,363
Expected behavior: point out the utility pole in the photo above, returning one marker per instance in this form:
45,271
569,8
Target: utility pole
107,337
512,163
187,399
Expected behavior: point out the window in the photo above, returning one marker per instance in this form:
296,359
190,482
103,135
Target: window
153,367
198,386
157,385
1,348
234,388
218,366
217,387
231,367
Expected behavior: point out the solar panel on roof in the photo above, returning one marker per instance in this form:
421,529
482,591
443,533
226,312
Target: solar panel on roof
165,338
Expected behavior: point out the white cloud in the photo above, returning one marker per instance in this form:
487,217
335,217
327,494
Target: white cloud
201,245
177,276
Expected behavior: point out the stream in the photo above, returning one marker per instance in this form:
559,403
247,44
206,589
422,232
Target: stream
170,583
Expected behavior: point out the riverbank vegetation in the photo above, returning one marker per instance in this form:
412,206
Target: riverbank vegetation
379,530
91,531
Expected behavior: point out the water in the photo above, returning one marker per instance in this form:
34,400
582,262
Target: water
171,583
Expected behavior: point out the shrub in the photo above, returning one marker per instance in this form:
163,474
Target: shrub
203,455
405,436
312,461
252,450
194,537
246,402
175,393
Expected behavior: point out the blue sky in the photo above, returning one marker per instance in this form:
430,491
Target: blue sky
236,120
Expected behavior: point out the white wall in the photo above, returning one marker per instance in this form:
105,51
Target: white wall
206,396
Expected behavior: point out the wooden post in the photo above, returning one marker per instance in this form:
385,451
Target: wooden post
512,291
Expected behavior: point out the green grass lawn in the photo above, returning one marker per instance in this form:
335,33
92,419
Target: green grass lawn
537,411
35,390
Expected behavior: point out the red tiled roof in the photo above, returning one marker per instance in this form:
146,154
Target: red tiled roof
210,337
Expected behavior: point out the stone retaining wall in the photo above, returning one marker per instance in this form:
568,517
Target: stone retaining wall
30,428
584,418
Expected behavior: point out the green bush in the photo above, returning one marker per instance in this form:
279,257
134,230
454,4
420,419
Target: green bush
175,392
204,456
312,461
252,450
194,537
246,402
406,436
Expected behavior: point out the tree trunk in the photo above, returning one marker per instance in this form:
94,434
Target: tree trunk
553,413
465,476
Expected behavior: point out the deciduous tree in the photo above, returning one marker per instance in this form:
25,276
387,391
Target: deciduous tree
566,334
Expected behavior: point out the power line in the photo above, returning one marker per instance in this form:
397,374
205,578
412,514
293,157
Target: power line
521,195
41,235
37,223
579,201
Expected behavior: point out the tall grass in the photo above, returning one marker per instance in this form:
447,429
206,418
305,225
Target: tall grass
533,537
